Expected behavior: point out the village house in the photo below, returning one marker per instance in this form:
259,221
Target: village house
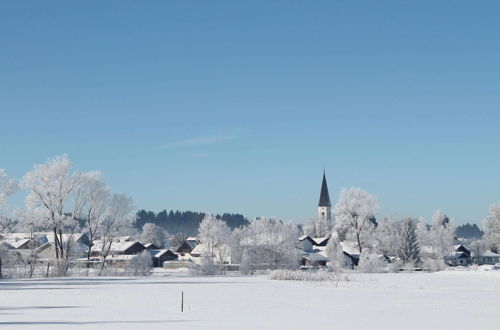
120,246
461,256
184,248
159,256
306,242
488,258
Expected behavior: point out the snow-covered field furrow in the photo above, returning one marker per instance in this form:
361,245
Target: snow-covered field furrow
445,300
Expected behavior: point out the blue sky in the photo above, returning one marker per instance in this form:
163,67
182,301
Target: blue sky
232,106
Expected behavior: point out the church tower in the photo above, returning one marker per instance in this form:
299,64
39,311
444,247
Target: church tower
324,206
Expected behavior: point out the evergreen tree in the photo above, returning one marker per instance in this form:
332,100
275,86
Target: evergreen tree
409,250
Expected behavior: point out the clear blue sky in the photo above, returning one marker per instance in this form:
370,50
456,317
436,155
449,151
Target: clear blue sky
232,106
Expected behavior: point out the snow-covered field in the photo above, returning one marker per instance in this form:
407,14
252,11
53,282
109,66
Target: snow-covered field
445,300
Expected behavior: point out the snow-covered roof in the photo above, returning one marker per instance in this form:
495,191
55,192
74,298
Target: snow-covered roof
349,247
116,247
158,252
317,257
192,241
489,253
457,255
121,257
161,252
16,243
320,240
15,236
203,249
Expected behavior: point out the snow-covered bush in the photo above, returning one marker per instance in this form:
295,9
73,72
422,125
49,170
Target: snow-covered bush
395,265
371,263
433,265
140,265
206,266
246,264
300,275
335,253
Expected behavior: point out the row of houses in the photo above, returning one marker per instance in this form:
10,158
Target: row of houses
314,254
122,249
312,249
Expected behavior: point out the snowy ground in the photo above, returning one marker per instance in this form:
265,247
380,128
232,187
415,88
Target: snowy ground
445,300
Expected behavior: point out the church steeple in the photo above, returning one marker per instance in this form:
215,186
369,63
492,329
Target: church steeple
324,197
324,205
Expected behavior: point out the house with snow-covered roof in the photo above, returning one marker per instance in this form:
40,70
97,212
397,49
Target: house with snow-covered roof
161,255
119,246
487,258
321,241
306,242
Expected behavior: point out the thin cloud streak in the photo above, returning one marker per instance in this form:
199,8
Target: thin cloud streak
198,141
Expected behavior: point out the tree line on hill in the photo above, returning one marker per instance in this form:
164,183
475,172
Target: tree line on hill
186,222
469,231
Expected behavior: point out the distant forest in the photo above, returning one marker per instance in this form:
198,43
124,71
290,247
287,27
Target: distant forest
469,231
186,222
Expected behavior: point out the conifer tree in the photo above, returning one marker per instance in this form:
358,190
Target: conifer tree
409,250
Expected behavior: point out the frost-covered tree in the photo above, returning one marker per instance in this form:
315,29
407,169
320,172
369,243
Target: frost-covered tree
423,233
335,253
354,212
268,242
216,234
318,227
409,250
387,236
442,235
118,220
91,199
492,228
49,188
152,233
8,187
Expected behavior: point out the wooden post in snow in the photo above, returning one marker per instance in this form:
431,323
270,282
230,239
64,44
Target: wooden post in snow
182,301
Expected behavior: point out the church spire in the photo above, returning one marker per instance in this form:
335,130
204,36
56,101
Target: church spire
324,198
